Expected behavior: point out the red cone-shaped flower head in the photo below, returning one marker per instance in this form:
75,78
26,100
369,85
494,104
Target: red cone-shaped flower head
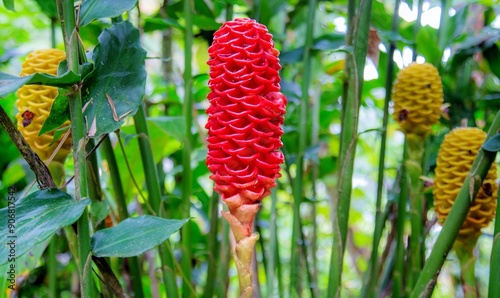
245,114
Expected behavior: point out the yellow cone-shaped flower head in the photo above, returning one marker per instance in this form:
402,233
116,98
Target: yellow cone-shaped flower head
454,161
417,96
34,103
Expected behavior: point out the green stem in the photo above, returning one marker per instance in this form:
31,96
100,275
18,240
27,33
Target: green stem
456,217
273,243
416,28
67,16
494,285
414,170
119,194
212,247
186,152
370,287
153,187
465,254
298,190
52,267
399,266
355,64
222,275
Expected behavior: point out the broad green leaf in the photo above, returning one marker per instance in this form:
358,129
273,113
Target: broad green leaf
427,45
58,113
171,125
10,83
13,174
158,23
134,236
9,4
96,9
37,217
48,7
332,41
493,144
116,87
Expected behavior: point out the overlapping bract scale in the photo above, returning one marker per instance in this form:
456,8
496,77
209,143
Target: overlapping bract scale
417,96
245,114
455,158
34,103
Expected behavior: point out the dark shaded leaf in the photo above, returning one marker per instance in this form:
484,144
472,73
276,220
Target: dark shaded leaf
96,9
9,4
493,144
37,217
325,42
158,23
58,113
10,83
134,236
48,7
116,88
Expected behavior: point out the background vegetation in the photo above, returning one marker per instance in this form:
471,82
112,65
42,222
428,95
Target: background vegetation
294,251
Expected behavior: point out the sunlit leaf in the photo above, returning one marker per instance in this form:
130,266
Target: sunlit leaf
116,87
37,217
10,83
9,4
134,236
96,9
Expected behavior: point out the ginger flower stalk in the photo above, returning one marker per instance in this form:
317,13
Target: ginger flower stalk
244,129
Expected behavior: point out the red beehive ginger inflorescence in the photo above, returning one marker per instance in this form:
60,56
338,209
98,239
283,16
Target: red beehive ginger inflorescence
245,115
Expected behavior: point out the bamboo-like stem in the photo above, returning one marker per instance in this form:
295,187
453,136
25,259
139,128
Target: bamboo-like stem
369,289
186,152
359,27
273,243
52,267
66,12
119,195
153,186
212,247
456,217
225,248
399,266
416,28
465,253
494,285
298,189
314,176
414,170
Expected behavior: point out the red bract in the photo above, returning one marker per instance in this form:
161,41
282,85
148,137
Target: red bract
245,114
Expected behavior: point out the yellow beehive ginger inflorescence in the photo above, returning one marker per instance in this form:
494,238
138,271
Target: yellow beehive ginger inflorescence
34,103
417,96
454,161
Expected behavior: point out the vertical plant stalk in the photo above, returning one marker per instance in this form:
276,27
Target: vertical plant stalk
399,266
212,246
123,214
153,187
358,36
416,28
273,244
465,254
314,212
187,175
473,181
66,12
298,189
494,285
370,287
414,170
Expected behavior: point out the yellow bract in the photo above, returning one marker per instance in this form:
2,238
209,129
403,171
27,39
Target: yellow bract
417,96
455,158
34,103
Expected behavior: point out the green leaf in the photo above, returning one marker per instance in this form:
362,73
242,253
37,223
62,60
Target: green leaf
492,55
332,41
37,217
13,174
171,125
96,9
48,7
116,88
493,144
134,236
10,83
158,23
58,113
9,4
427,44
